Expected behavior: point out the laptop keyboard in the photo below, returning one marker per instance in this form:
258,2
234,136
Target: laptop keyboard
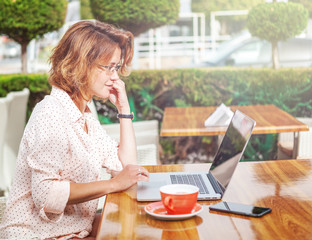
193,179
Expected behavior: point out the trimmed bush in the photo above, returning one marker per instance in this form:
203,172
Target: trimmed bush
136,16
277,21
151,91
27,20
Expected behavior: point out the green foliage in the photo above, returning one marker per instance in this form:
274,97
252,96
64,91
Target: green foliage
104,120
136,16
277,21
151,91
306,3
261,147
25,20
289,89
85,10
147,102
223,5
232,23
37,84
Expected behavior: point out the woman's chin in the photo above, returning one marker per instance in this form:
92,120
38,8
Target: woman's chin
102,95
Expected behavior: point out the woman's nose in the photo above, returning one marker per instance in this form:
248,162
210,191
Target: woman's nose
114,76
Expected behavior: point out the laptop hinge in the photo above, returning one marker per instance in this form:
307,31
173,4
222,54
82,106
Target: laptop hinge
215,184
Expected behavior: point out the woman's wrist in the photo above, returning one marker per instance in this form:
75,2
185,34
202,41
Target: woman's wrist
109,186
114,185
125,110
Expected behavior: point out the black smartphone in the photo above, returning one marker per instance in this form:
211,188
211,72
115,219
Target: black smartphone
241,209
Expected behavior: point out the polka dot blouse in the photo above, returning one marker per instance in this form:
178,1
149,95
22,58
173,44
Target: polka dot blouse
54,151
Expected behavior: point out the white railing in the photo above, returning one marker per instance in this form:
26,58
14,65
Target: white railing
195,48
155,47
175,45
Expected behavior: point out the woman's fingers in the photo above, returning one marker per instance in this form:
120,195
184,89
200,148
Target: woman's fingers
142,171
118,95
143,178
143,174
130,175
139,173
119,85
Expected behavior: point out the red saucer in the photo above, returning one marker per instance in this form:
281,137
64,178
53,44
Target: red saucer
158,210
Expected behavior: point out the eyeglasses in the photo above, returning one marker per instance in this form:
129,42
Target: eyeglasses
110,69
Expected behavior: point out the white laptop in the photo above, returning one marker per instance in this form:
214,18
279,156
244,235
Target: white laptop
213,182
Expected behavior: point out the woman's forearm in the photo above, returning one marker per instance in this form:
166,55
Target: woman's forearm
130,175
127,148
82,192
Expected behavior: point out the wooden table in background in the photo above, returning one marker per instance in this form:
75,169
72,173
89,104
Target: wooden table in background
284,186
189,121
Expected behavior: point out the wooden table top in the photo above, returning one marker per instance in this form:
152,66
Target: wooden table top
189,121
284,186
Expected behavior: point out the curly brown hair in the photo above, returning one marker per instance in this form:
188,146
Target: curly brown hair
84,44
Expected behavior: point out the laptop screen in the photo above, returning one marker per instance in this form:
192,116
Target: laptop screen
231,148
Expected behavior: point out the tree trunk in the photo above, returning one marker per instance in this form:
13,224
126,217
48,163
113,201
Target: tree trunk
275,60
24,57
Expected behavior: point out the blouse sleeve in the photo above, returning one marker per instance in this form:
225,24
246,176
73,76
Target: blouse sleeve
47,145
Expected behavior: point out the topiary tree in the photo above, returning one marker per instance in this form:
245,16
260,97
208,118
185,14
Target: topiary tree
277,21
136,16
24,20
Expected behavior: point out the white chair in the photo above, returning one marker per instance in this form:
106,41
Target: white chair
14,132
147,154
4,109
305,140
286,142
146,133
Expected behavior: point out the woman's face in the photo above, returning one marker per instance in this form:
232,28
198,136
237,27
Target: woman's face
102,78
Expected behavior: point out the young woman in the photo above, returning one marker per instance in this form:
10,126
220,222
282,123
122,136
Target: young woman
55,190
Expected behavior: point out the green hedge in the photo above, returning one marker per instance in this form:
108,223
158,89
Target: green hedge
150,91
153,90
37,84
289,89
